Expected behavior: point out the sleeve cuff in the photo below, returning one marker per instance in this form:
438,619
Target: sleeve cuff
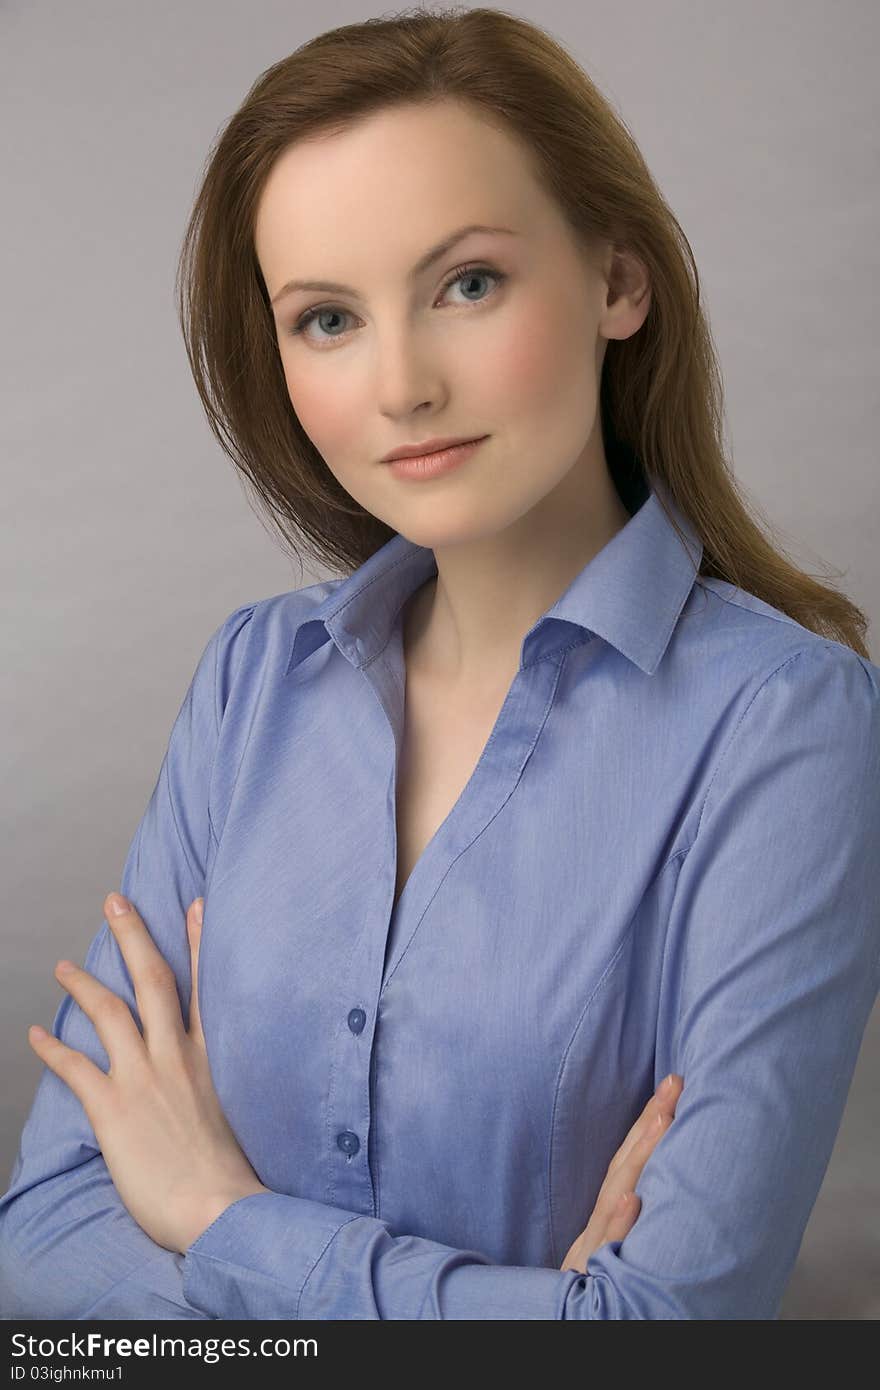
270,1256
254,1259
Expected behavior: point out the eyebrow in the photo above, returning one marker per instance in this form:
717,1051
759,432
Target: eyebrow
421,265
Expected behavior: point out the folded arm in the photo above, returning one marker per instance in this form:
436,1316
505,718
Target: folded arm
774,947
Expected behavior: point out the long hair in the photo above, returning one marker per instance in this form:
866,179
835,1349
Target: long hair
660,396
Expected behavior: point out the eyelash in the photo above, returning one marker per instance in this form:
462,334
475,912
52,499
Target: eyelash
471,268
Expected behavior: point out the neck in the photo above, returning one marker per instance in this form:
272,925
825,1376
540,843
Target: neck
465,627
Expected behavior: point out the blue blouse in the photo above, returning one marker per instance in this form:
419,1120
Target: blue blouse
667,859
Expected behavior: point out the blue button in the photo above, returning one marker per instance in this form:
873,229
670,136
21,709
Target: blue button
356,1020
348,1142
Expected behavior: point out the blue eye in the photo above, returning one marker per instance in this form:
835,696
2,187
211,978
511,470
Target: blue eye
461,272
305,319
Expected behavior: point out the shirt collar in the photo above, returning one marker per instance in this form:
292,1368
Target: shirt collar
631,594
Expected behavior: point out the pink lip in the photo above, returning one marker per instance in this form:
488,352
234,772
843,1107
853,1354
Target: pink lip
427,446
432,465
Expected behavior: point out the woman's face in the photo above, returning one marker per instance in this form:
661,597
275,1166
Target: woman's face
512,349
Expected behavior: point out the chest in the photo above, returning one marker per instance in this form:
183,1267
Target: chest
441,746
521,979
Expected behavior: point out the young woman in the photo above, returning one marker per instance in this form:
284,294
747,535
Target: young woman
567,782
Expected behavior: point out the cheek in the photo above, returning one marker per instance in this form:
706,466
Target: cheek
321,408
333,418
531,363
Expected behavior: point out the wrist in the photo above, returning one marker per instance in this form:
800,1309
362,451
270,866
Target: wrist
215,1207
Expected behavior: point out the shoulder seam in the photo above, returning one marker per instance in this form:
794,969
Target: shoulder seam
723,754
244,609
729,599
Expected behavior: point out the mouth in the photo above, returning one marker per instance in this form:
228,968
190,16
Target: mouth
437,461
429,446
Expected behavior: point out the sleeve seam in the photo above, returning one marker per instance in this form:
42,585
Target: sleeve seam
212,833
725,750
193,876
214,688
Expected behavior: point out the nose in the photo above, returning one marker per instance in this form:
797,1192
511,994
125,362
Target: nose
408,375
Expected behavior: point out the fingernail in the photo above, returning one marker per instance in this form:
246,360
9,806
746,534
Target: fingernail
198,910
665,1085
118,904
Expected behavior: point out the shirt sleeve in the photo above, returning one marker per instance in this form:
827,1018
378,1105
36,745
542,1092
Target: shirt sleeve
773,950
69,1248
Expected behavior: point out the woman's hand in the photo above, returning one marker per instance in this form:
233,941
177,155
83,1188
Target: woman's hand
167,1145
613,1217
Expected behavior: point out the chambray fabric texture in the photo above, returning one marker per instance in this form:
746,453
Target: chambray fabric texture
666,859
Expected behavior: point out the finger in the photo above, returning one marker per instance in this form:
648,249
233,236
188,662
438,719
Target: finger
194,928
77,1071
624,1216
615,1215
626,1169
662,1102
629,1171
611,1220
111,1015
154,982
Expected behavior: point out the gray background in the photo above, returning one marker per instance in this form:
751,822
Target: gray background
127,536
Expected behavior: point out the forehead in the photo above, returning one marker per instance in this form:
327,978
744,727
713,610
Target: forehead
396,178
